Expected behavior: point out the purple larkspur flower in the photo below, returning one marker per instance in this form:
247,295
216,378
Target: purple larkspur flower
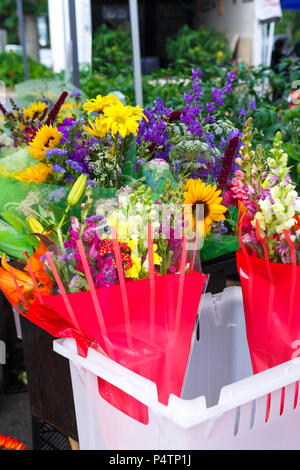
210,107
252,105
242,112
75,94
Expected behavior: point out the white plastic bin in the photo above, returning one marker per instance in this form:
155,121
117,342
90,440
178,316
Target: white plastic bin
223,406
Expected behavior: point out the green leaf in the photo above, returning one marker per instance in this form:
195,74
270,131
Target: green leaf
216,245
292,150
15,222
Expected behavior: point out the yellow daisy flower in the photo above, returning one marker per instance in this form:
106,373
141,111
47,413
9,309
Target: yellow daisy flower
34,174
120,119
34,110
98,128
198,192
47,137
98,104
138,111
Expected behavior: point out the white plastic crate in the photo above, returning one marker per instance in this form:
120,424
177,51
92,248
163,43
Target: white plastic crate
223,406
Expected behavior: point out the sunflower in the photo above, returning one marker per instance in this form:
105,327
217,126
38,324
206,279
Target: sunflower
98,128
197,192
47,137
98,104
120,119
35,110
7,443
34,174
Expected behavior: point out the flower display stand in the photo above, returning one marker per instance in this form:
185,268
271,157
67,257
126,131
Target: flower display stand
49,384
14,358
220,270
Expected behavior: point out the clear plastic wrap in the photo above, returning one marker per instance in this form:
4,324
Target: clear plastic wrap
38,89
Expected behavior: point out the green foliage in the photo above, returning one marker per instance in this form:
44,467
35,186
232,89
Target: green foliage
193,48
289,24
12,69
9,18
112,50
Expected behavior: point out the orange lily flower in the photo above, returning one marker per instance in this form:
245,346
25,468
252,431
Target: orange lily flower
296,227
8,285
25,289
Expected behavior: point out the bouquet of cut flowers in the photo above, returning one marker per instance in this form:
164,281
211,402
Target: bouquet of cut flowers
268,262
100,144
121,282
196,143
96,146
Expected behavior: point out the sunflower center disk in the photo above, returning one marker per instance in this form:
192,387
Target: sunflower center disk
198,212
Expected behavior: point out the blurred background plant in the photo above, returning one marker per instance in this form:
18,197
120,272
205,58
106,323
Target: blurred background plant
12,69
112,51
194,48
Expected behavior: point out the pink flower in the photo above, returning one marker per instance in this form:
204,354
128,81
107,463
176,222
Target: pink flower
239,174
239,194
228,198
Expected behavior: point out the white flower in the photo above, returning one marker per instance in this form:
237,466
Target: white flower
261,222
297,204
5,141
266,208
279,210
285,225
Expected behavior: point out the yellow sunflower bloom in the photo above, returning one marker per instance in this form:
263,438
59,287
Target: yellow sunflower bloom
47,137
98,104
34,174
197,192
98,128
35,110
119,119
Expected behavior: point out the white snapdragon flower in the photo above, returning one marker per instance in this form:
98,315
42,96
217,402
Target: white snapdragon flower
261,223
297,204
286,225
266,208
279,210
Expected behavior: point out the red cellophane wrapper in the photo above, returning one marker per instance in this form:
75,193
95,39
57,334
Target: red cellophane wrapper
145,325
270,303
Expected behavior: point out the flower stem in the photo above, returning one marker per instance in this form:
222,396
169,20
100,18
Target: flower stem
59,231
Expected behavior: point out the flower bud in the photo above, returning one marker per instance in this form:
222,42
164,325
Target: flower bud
35,225
77,190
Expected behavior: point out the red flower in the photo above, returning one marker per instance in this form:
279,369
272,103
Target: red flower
175,116
227,162
56,108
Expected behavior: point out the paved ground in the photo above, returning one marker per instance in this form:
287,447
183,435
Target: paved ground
15,417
